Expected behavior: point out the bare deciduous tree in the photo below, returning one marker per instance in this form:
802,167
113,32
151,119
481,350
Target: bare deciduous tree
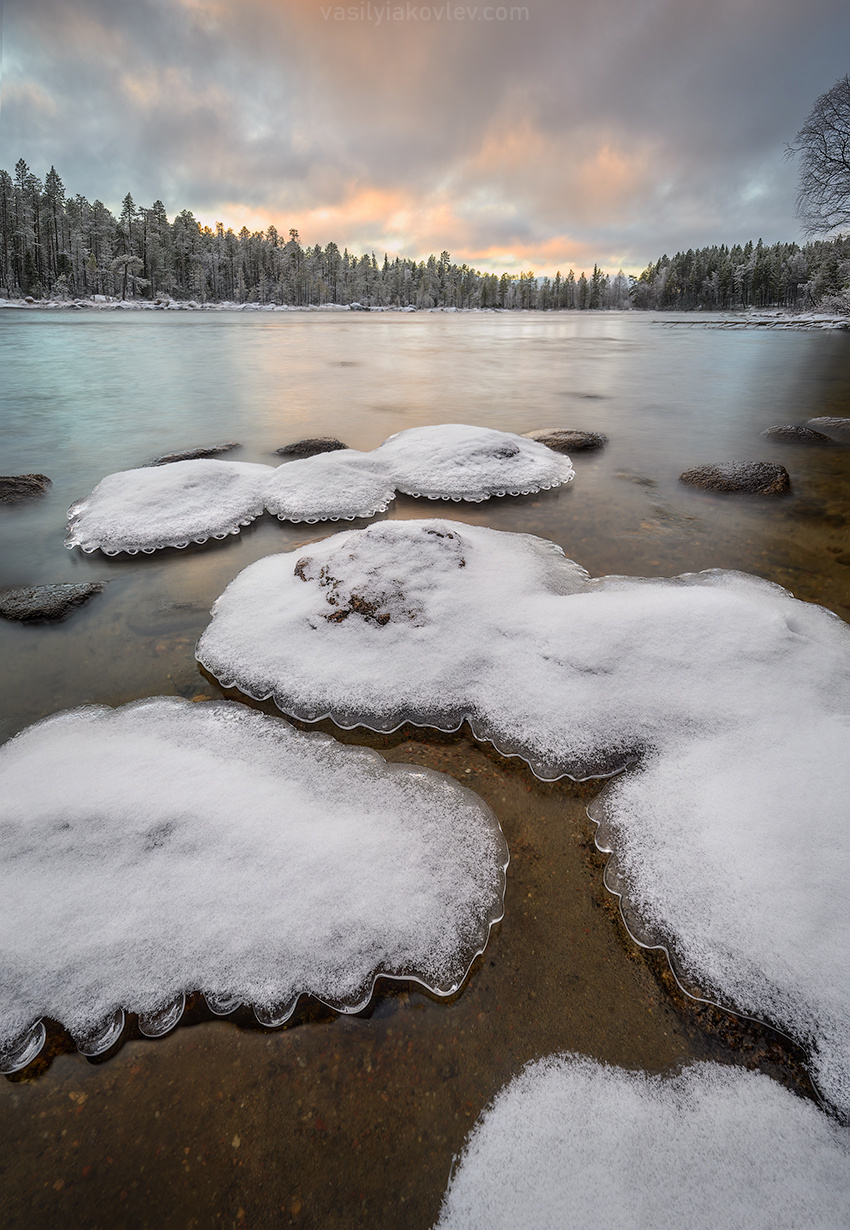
823,202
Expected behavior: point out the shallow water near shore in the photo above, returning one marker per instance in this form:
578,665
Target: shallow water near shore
333,1120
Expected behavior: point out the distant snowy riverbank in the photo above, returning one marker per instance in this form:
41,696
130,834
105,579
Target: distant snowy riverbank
775,319
109,303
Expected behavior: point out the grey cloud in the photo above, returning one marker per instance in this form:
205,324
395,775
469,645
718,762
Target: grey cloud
268,104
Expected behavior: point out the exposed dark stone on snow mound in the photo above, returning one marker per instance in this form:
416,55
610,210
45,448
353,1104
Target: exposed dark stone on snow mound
14,487
833,425
309,448
756,477
567,440
794,434
194,454
41,603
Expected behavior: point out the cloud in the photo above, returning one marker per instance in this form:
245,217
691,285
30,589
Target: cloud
565,135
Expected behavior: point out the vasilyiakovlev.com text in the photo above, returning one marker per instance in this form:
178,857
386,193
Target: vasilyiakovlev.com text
376,14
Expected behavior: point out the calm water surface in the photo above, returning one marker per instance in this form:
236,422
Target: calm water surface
343,1121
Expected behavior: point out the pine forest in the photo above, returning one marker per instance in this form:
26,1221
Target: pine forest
61,247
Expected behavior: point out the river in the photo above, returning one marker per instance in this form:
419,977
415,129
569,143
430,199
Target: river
344,1121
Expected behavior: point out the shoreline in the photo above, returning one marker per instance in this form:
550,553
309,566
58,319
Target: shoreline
750,318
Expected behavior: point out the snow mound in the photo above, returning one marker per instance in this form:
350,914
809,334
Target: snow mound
193,500
166,847
571,1143
332,486
436,622
458,462
167,506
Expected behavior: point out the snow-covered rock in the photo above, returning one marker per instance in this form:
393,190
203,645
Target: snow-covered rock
331,486
167,506
195,500
457,462
571,1144
167,847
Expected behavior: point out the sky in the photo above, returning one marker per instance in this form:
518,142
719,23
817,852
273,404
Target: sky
545,136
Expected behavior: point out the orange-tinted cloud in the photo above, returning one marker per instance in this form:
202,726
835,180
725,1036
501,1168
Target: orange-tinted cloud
587,131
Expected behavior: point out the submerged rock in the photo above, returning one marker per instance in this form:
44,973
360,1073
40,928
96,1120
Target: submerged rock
567,439
195,454
46,603
793,433
833,425
15,487
310,447
755,477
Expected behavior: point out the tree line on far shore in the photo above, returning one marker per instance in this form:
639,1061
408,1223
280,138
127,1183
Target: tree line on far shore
56,246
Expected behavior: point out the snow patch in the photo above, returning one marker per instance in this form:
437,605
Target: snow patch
457,462
333,486
571,1143
167,506
167,847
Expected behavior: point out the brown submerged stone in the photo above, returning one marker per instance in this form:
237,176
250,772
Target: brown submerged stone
46,603
833,425
310,447
755,477
567,439
792,433
195,454
15,487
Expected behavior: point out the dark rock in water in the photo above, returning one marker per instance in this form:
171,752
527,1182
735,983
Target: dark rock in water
43,603
794,434
834,426
567,440
756,477
309,448
194,454
14,487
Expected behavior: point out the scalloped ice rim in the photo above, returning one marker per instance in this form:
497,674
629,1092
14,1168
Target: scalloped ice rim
31,1041
479,735
641,934
69,542
395,480
20,1051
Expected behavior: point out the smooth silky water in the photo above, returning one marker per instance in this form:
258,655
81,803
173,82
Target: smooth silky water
334,1120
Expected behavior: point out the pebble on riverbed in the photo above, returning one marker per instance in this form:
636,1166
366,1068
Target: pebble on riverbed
793,433
567,439
310,448
755,477
46,603
15,487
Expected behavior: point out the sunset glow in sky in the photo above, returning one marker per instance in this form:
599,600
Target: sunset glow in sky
542,136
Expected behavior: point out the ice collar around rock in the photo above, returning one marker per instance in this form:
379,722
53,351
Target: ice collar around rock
194,500
166,847
730,694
